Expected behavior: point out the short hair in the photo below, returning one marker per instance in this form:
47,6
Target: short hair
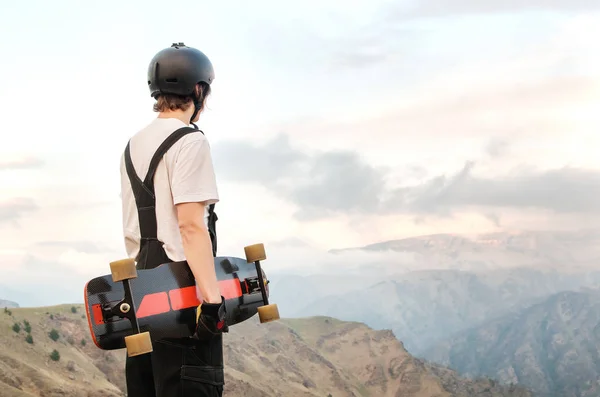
166,102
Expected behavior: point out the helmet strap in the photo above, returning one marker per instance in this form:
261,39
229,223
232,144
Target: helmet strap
197,106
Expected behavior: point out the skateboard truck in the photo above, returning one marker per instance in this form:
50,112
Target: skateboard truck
252,285
121,310
139,343
255,253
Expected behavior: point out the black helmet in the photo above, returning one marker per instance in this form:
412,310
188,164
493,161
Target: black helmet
177,69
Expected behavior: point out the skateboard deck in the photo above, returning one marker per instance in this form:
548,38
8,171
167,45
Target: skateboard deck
130,308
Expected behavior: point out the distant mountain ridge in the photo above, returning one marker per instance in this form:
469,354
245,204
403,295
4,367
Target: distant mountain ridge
445,283
519,240
425,307
552,347
8,304
548,248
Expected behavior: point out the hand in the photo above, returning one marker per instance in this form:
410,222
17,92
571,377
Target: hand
212,320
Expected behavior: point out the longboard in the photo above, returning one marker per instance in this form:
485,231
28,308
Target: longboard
131,308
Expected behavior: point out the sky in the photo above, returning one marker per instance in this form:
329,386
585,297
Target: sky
331,124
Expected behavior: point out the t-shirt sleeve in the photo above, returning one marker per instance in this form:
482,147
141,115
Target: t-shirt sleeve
193,177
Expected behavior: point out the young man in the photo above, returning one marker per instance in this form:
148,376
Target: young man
168,194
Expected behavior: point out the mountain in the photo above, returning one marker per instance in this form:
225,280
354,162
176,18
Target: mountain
550,247
427,288
424,307
316,356
8,304
552,347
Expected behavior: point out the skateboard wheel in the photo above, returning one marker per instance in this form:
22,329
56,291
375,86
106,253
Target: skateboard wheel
138,344
268,313
123,269
255,253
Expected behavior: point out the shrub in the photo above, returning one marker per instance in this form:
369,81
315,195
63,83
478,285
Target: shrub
55,355
29,339
53,335
16,327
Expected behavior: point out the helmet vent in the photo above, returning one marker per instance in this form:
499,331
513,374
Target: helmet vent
171,80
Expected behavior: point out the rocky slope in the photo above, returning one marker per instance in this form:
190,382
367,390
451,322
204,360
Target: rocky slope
552,347
47,352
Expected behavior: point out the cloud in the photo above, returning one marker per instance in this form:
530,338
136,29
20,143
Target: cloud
304,258
12,210
86,247
497,147
321,183
494,218
290,242
400,42
21,164
564,190
337,182
373,44
240,161
52,272
436,8
461,110
327,183
37,281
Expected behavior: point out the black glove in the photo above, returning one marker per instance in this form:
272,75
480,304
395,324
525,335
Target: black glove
212,320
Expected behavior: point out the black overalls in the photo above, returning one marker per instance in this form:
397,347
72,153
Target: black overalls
182,367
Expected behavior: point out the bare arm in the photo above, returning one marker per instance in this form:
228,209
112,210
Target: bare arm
197,247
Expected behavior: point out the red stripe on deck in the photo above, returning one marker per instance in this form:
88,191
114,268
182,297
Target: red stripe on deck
183,298
97,313
153,304
230,288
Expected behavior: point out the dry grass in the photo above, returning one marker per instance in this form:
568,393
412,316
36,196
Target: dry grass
27,369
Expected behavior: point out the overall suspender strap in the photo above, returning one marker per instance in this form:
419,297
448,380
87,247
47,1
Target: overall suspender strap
145,199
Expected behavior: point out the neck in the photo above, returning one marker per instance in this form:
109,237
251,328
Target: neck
176,114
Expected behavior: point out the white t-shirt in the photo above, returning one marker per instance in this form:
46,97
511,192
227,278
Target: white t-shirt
185,174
